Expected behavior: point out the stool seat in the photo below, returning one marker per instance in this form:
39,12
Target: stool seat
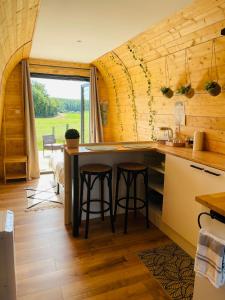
89,174
130,166
129,172
95,169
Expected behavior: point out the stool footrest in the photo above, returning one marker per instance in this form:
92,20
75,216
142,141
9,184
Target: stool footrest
97,201
131,208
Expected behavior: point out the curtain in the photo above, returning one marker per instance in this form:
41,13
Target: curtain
31,143
96,130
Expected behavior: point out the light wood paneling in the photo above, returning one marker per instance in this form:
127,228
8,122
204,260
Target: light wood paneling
13,133
135,71
17,21
59,67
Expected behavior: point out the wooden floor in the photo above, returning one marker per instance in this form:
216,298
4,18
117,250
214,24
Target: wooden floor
52,265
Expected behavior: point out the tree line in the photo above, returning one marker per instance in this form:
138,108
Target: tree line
45,106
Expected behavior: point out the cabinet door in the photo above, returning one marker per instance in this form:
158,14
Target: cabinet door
184,180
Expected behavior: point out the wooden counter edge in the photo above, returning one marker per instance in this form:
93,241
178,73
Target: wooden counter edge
210,159
215,202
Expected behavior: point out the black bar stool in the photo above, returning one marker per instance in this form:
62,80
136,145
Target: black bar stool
101,172
130,173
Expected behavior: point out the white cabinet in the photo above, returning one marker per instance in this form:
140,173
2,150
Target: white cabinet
183,181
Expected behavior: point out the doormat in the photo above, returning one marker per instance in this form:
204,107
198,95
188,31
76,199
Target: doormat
40,198
173,268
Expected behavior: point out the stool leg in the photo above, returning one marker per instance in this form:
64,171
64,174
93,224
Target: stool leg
81,196
127,201
135,195
102,178
117,192
110,201
88,206
146,197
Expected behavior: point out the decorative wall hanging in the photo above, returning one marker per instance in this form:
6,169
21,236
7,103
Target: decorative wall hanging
212,86
186,89
166,90
179,113
104,112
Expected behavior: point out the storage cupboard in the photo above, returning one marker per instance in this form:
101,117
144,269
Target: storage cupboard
184,180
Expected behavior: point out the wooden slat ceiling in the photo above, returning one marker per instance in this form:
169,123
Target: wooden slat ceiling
17,22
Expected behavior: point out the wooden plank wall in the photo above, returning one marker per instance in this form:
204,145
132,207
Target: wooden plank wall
135,71
46,66
17,21
13,123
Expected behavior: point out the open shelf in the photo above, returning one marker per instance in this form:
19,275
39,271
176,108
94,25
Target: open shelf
16,176
15,138
156,186
156,208
15,158
157,168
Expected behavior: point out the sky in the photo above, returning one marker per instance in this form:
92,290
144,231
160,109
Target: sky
61,88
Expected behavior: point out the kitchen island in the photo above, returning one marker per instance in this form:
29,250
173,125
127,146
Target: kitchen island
118,152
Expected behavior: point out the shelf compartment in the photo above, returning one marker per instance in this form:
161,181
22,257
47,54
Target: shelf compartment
15,176
156,186
157,168
15,138
15,159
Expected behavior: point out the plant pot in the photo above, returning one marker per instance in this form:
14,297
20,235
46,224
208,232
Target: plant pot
190,93
215,91
72,143
168,94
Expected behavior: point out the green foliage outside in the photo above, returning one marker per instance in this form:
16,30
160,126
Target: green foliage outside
44,126
54,116
45,106
68,105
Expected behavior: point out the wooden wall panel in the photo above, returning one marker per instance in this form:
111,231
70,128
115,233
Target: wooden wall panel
17,21
13,125
55,67
135,71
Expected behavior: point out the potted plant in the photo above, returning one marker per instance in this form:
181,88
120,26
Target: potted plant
186,90
72,137
166,91
213,88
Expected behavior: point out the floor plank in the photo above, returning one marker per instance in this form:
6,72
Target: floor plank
52,265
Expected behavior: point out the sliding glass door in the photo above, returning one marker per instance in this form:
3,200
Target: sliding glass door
85,113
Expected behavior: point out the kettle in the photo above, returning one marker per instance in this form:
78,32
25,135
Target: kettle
164,134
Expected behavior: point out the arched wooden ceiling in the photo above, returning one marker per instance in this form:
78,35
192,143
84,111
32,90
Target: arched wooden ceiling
17,22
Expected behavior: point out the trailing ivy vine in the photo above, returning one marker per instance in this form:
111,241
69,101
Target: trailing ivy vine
117,60
141,63
115,89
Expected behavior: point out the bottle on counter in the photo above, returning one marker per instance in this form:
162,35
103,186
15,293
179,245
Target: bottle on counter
198,140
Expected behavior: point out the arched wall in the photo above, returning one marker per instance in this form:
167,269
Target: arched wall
135,71
17,21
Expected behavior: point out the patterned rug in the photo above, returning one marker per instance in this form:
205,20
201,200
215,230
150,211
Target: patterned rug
42,197
173,268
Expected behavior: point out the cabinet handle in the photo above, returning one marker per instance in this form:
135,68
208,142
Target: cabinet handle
212,173
196,167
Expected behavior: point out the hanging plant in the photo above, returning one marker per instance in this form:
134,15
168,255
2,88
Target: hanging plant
117,60
212,86
166,90
186,89
147,74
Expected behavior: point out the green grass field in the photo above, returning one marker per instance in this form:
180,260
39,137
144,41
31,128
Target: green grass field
44,126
